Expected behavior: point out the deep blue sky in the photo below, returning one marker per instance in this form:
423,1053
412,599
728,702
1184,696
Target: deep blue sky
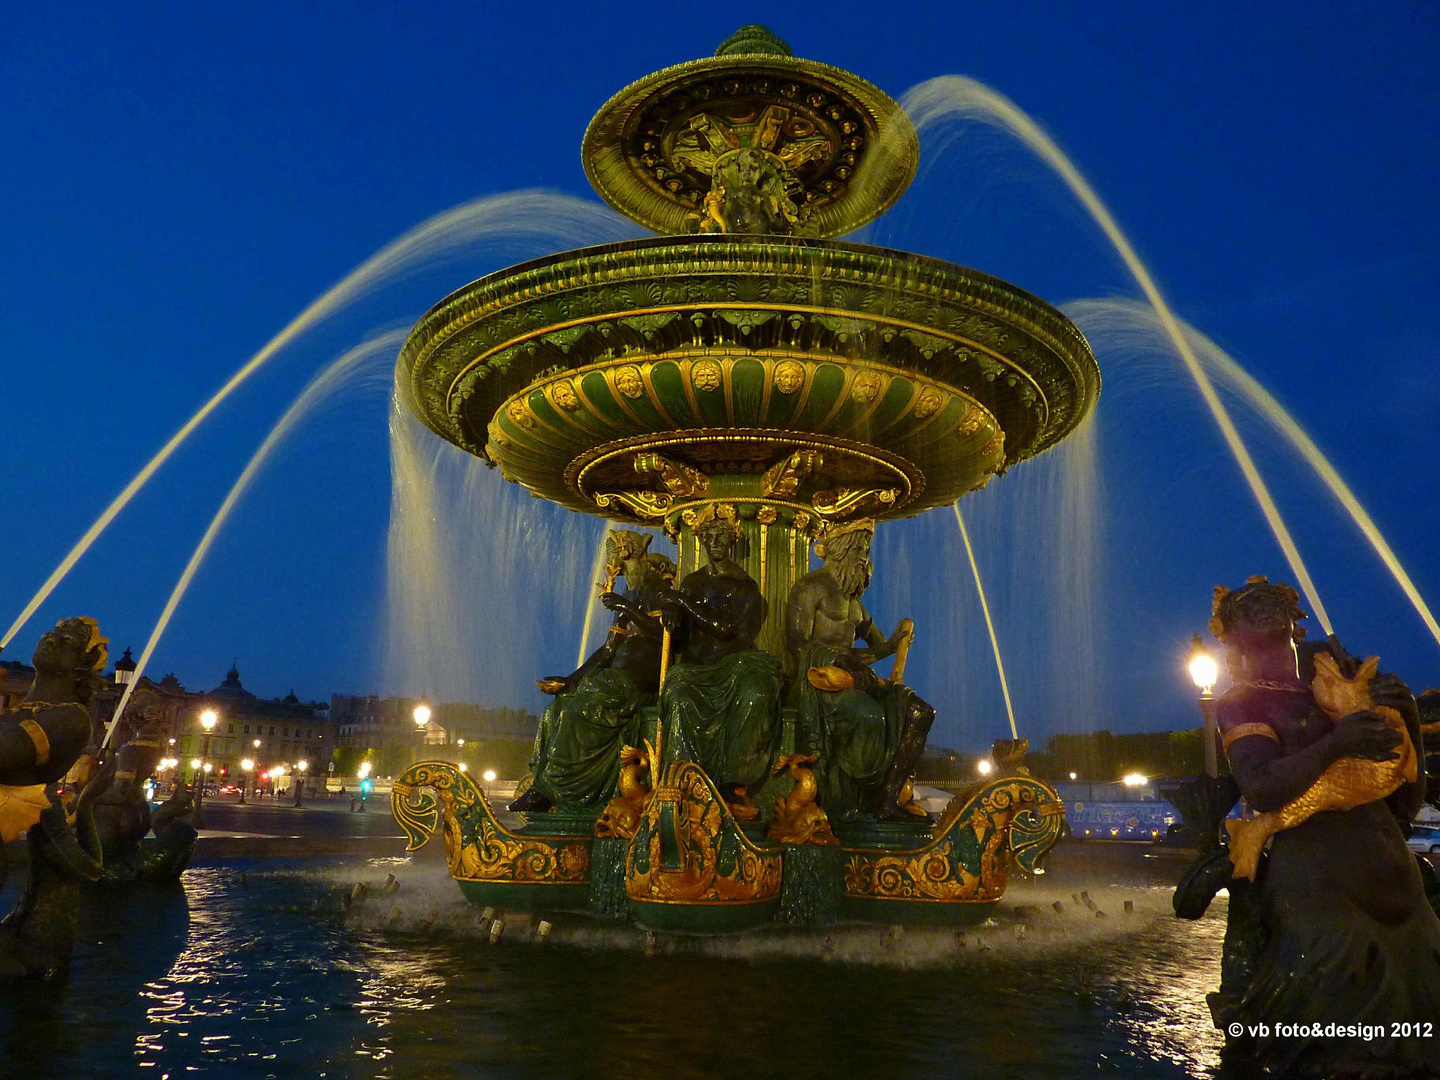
178,181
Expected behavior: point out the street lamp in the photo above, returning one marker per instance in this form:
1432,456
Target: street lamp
246,764
984,766
1204,673
300,767
1135,779
422,721
208,719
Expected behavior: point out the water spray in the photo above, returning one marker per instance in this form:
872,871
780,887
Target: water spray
1128,316
989,623
936,99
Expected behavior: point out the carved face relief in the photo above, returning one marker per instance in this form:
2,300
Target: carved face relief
929,403
789,376
974,420
520,415
706,375
867,385
629,382
563,394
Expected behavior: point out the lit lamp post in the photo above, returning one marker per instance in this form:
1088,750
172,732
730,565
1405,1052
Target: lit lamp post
1204,673
489,779
256,746
364,784
246,764
300,767
208,719
422,721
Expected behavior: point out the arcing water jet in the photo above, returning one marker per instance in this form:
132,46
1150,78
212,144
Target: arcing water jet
378,349
954,97
1122,320
521,213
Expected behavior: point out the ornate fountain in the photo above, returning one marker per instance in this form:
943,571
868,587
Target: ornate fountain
746,374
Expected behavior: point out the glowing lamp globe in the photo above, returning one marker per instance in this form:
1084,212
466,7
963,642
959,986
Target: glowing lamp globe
1204,672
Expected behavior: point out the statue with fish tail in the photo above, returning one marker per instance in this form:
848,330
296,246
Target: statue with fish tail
123,817
867,732
1332,769
41,741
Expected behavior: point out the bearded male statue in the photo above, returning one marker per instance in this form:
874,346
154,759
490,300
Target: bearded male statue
868,733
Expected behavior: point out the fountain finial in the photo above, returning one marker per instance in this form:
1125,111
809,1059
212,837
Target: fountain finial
752,39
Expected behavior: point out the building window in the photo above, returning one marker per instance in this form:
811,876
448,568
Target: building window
272,729
230,729
247,729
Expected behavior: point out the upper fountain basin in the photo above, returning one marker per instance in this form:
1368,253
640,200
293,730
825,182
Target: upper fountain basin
914,379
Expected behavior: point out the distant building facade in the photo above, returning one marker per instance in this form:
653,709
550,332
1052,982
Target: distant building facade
288,730
383,731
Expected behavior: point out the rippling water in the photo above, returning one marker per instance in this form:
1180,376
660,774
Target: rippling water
258,970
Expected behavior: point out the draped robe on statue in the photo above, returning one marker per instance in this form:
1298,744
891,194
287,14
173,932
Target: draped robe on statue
576,761
854,733
720,703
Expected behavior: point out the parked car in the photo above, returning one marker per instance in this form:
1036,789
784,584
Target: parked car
1425,839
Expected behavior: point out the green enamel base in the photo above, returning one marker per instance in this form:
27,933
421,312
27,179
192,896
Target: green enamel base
507,895
917,912
703,918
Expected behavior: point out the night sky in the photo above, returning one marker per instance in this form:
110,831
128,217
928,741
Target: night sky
178,181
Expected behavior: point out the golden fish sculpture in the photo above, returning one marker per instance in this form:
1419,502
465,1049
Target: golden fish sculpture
1346,784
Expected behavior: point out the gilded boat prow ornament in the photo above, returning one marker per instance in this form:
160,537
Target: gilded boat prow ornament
747,384
493,864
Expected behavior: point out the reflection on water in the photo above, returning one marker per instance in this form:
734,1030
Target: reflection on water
262,971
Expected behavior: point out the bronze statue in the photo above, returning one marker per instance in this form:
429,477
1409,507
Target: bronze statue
43,737
123,818
720,703
41,740
576,761
1346,928
868,733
